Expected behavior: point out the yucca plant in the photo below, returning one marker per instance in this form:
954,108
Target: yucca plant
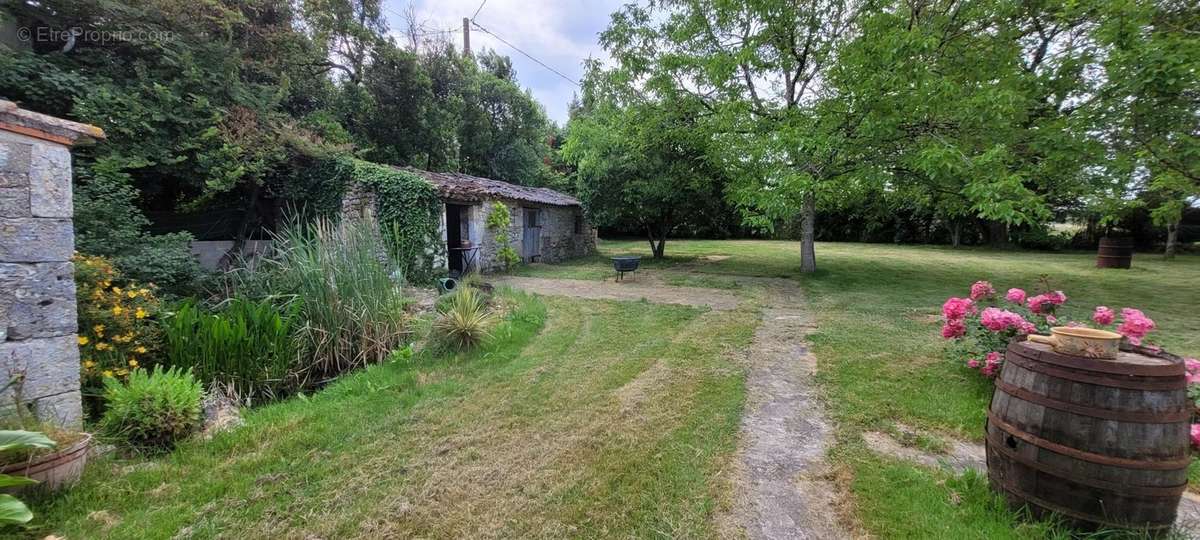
246,347
353,310
464,320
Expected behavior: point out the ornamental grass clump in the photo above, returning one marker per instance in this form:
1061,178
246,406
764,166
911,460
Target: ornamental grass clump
464,320
352,310
981,325
152,410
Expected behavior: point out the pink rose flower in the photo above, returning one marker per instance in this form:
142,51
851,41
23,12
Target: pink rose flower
1016,296
993,358
1196,435
954,328
1038,303
1193,370
1134,325
1051,319
999,320
1057,298
973,363
989,370
1104,315
981,290
956,308
1027,328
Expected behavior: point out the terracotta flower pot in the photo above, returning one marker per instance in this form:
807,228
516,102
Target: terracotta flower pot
56,469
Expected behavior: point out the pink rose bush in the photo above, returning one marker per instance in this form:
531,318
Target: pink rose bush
981,325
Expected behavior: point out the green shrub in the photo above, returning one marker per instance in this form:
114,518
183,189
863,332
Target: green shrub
464,321
247,347
498,221
353,309
152,410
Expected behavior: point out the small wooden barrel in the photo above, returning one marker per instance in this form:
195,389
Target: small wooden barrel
1101,442
1115,253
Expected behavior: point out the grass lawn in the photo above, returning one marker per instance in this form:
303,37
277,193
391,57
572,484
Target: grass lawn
879,350
579,419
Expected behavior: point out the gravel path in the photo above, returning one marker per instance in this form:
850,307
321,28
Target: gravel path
717,299
781,476
783,480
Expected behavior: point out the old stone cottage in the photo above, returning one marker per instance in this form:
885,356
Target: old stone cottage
546,226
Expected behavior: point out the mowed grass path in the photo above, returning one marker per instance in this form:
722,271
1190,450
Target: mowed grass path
880,353
580,419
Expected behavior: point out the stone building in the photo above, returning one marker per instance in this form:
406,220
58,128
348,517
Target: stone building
38,348
546,226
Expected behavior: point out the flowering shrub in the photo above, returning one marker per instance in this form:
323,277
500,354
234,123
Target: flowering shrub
117,330
981,325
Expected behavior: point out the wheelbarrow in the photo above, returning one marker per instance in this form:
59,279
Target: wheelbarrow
625,264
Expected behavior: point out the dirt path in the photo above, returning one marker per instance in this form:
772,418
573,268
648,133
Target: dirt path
780,473
783,476
607,290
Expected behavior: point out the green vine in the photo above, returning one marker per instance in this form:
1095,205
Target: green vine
498,221
406,205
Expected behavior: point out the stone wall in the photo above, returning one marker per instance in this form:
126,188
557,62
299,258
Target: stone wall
559,240
38,323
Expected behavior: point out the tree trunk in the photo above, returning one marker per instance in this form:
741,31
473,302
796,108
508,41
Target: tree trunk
808,233
1172,240
239,243
956,234
658,242
998,234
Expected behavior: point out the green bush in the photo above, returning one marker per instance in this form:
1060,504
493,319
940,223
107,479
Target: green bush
464,320
152,410
498,222
247,347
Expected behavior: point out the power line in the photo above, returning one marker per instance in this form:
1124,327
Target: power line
518,49
481,4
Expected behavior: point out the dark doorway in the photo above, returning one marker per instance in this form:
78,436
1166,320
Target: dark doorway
458,238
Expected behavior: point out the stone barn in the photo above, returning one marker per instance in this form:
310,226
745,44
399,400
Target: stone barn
546,226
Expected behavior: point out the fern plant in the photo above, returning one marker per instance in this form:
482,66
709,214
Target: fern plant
153,410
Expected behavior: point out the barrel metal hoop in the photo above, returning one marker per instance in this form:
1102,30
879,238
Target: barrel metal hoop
1058,472
1172,369
1145,417
1034,499
1112,381
1091,457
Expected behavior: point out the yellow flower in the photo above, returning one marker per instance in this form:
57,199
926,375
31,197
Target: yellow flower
99,330
117,291
140,350
106,283
102,346
131,294
88,364
83,340
122,372
133,363
117,310
140,313
107,373
143,292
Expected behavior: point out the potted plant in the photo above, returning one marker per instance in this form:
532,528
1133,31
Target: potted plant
12,510
52,466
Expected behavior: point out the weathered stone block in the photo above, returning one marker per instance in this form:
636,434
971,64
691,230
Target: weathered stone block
15,157
14,202
36,240
13,179
49,367
50,182
37,299
63,409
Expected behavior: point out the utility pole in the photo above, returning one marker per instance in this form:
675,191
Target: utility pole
466,36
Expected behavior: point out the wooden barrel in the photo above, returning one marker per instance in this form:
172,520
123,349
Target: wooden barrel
1104,443
1114,253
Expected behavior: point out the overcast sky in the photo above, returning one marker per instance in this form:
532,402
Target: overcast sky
561,33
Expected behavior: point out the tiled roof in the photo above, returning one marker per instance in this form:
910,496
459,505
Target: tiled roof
467,188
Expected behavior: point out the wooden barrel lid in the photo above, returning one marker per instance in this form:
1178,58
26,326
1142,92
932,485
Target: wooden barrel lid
1129,361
